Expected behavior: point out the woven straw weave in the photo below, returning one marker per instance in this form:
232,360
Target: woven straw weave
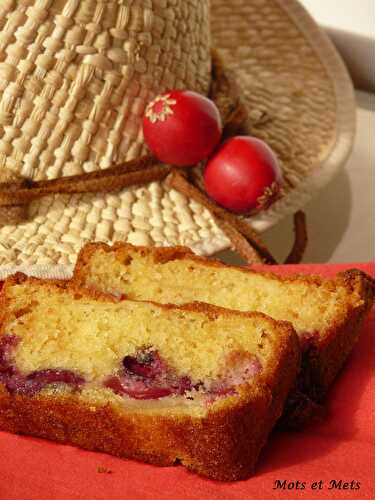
76,76
299,98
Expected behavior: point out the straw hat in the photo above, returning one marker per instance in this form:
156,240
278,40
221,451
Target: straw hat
76,75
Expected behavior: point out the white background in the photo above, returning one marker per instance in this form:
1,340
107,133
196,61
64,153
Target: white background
351,25
356,16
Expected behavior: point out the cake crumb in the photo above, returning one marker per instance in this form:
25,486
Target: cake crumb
104,470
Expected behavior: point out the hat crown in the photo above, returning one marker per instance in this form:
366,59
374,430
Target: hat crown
76,76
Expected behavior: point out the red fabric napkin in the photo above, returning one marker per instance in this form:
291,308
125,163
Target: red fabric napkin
340,449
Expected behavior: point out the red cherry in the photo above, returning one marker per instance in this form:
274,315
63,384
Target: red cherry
182,127
243,175
136,389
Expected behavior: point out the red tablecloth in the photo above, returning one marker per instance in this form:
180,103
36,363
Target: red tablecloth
342,448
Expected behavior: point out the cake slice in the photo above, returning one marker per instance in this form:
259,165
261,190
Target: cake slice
195,384
326,314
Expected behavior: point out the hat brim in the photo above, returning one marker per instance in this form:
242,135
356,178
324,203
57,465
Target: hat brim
300,100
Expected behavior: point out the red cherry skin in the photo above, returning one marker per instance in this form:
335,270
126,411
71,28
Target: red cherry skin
182,128
243,175
136,388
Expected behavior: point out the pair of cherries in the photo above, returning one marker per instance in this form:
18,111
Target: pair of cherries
183,128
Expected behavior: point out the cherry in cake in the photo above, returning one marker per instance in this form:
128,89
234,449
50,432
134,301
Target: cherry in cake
147,376
34,382
144,375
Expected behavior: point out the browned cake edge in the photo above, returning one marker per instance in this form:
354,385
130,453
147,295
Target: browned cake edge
327,358
324,358
321,363
225,445
166,254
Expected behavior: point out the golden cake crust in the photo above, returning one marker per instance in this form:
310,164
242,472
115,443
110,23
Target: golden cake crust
222,445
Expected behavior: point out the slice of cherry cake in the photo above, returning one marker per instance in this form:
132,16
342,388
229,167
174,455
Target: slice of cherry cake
196,383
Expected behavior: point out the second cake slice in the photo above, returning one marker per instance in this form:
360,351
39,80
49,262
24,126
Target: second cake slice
326,314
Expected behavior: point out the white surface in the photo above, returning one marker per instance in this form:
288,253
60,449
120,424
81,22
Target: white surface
351,26
356,16
341,218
